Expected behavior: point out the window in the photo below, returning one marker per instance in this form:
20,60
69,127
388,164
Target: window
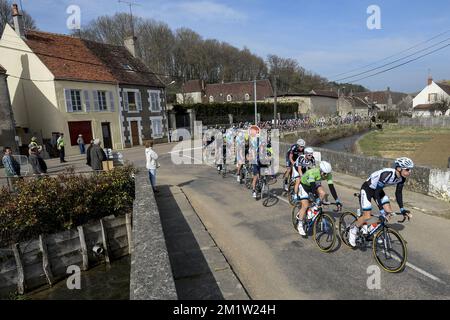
75,97
229,98
247,97
432,97
156,127
211,99
131,101
101,96
155,105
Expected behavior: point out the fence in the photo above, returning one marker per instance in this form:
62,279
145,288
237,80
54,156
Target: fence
43,261
425,122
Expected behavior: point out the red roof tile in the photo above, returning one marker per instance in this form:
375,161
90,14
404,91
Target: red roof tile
68,58
423,107
192,86
444,87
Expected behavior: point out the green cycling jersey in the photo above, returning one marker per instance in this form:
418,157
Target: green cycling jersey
312,176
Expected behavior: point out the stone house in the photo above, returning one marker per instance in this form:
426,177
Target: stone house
427,101
196,91
7,126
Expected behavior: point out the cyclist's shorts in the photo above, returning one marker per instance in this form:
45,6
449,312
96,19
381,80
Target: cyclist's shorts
256,169
303,191
295,173
367,194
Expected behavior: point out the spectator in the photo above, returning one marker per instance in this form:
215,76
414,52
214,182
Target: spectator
80,142
12,167
60,146
34,143
97,156
151,163
37,163
88,153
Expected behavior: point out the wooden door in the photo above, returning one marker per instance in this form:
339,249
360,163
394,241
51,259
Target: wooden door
107,140
134,133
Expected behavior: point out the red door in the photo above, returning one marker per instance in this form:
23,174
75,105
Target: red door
80,127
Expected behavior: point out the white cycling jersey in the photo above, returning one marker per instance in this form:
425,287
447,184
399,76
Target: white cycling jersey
383,178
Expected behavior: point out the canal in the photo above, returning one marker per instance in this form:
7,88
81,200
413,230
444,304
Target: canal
102,282
342,144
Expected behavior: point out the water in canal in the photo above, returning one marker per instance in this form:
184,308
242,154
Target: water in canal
102,282
343,144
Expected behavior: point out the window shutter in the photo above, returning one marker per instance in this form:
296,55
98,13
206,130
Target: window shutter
139,101
87,101
68,100
96,103
158,99
111,99
125,100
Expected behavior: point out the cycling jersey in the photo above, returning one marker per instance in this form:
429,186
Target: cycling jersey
373,188
295,151
310,181
304,163
312,176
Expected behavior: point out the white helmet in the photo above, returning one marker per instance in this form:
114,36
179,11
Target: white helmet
325,167
309,150
404,163
301,142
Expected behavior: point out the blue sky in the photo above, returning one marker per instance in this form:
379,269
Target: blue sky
327,37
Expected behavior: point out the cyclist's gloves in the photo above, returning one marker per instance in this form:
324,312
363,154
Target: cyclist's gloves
383,213
338,204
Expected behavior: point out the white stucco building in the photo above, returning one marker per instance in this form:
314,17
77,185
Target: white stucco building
433,94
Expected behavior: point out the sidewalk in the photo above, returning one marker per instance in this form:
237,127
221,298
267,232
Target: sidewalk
412,200
199,267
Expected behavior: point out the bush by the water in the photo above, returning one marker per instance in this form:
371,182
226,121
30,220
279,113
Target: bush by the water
53,204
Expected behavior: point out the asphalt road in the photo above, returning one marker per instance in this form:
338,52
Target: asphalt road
273,262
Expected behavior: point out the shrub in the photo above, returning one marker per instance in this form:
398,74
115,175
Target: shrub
53,204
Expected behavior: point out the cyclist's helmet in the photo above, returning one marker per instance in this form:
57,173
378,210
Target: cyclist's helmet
301,142
325,167
404,163
309,150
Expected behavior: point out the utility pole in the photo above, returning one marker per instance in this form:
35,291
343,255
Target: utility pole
256,106
275,120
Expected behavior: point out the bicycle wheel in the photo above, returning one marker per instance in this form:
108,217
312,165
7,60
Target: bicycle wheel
324,232
389,250
294,212
346,222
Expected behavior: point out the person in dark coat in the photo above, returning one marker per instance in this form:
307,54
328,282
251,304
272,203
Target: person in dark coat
88,153
97,156
37,163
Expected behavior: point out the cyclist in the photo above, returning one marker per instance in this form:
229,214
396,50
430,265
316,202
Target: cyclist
302,164
373,187
255,161
243,138
224,154
311,183
291,156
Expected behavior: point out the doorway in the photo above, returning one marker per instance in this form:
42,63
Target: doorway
107,140
134,133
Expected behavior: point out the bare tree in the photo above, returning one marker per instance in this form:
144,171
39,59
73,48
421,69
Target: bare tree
6,16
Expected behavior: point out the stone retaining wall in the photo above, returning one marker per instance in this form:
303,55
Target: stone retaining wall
425,122
151,275
433,182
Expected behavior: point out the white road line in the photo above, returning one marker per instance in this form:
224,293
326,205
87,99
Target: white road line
423,272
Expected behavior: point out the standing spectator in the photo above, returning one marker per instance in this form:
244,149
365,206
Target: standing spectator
97,156
88,153
12,167
37,163
80,142
151,163
60,146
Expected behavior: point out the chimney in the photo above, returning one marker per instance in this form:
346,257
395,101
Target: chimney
19,26
430,80
129,43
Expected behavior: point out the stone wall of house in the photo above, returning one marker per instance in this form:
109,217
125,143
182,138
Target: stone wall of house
7,131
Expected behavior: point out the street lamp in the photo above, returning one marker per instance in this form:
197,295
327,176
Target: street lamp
166,111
